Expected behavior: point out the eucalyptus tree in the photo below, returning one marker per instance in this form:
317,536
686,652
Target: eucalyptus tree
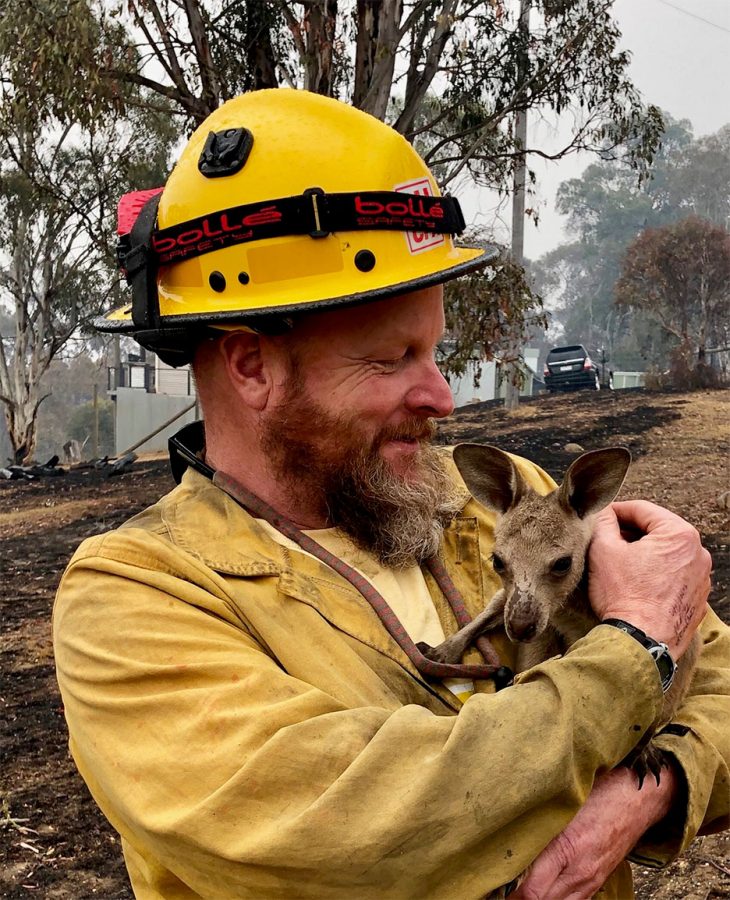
605,209
679,275
447,74
459,68
65,158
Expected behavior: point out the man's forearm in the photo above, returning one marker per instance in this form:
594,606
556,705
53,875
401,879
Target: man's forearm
650,805
613,819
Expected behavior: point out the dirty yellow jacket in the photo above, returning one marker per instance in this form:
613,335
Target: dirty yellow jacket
250,729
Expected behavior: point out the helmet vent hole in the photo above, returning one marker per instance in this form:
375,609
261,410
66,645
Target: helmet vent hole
244,277
365,260
217,281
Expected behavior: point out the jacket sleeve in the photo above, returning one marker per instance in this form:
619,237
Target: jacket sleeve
244,781
699,742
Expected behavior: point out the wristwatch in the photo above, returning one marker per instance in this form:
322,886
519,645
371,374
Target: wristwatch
658,651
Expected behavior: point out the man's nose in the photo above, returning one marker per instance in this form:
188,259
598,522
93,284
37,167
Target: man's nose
431,394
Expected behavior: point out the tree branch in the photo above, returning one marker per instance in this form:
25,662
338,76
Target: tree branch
211,89
169,62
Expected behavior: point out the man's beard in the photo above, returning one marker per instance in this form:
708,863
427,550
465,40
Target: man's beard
326,464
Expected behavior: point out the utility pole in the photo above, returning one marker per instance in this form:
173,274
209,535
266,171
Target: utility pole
520,175
95,431
117,344
117,362
512,391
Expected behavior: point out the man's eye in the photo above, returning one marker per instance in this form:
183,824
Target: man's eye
388,365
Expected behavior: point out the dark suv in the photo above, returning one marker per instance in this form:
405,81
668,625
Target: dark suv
570,368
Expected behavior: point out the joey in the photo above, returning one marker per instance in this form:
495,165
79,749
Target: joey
540,545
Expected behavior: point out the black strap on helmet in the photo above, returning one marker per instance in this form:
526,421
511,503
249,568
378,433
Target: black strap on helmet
136,256
314,213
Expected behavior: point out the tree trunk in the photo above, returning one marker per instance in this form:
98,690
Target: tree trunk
209,81
259,50
432,32
378,22
704,315
512,394
21,421
34,259
320,22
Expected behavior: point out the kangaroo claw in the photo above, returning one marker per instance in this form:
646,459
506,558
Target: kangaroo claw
650,759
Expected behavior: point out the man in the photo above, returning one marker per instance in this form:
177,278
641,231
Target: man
239,663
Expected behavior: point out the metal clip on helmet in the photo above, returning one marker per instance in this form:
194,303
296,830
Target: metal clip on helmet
283,201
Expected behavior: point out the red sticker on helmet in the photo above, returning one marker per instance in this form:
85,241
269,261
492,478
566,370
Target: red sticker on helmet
418,241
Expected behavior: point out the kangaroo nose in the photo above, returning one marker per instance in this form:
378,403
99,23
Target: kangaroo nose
522,630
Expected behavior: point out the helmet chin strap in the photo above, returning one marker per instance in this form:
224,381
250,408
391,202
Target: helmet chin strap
140,266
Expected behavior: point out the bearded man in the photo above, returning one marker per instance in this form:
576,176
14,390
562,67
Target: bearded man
239,664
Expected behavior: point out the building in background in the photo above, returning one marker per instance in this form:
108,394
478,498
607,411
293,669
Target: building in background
150,394
491,383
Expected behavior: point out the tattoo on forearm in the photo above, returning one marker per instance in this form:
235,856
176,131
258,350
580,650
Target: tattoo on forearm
682,612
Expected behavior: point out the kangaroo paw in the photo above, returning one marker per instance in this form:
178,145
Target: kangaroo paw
443,653
650,759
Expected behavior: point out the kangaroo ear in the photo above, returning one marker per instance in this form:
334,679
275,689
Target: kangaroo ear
593,480
490,476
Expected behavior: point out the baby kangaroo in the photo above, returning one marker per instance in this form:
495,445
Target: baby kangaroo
540,546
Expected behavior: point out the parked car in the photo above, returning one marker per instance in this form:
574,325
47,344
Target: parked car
571,368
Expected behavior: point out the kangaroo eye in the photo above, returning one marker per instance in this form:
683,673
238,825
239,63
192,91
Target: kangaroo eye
497,563
562,565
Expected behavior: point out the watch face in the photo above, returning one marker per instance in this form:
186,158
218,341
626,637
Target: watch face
664,663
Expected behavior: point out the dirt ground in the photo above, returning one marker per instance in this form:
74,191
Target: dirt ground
55,844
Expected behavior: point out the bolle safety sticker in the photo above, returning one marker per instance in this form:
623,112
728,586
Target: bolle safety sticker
418,241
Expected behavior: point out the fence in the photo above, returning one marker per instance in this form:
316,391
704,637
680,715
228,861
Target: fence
138,413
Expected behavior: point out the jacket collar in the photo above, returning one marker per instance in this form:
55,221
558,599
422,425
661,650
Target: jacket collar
204,521
231,542
212,527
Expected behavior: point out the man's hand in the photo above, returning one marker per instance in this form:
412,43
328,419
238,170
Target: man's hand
660,583
576,863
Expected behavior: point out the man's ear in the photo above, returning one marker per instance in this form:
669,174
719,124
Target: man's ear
247,368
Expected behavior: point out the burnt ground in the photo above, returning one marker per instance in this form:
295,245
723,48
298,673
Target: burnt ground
55,844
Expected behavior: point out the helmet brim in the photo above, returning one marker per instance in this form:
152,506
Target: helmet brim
119,321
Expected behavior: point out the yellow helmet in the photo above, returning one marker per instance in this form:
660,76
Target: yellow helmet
282,201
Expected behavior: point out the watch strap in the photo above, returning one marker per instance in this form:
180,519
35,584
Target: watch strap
657,650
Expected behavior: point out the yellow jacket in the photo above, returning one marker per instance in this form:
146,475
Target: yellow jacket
247,725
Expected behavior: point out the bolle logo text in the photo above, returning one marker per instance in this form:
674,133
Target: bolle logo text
413,207
215,226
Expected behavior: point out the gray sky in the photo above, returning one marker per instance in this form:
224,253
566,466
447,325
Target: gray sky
679,63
